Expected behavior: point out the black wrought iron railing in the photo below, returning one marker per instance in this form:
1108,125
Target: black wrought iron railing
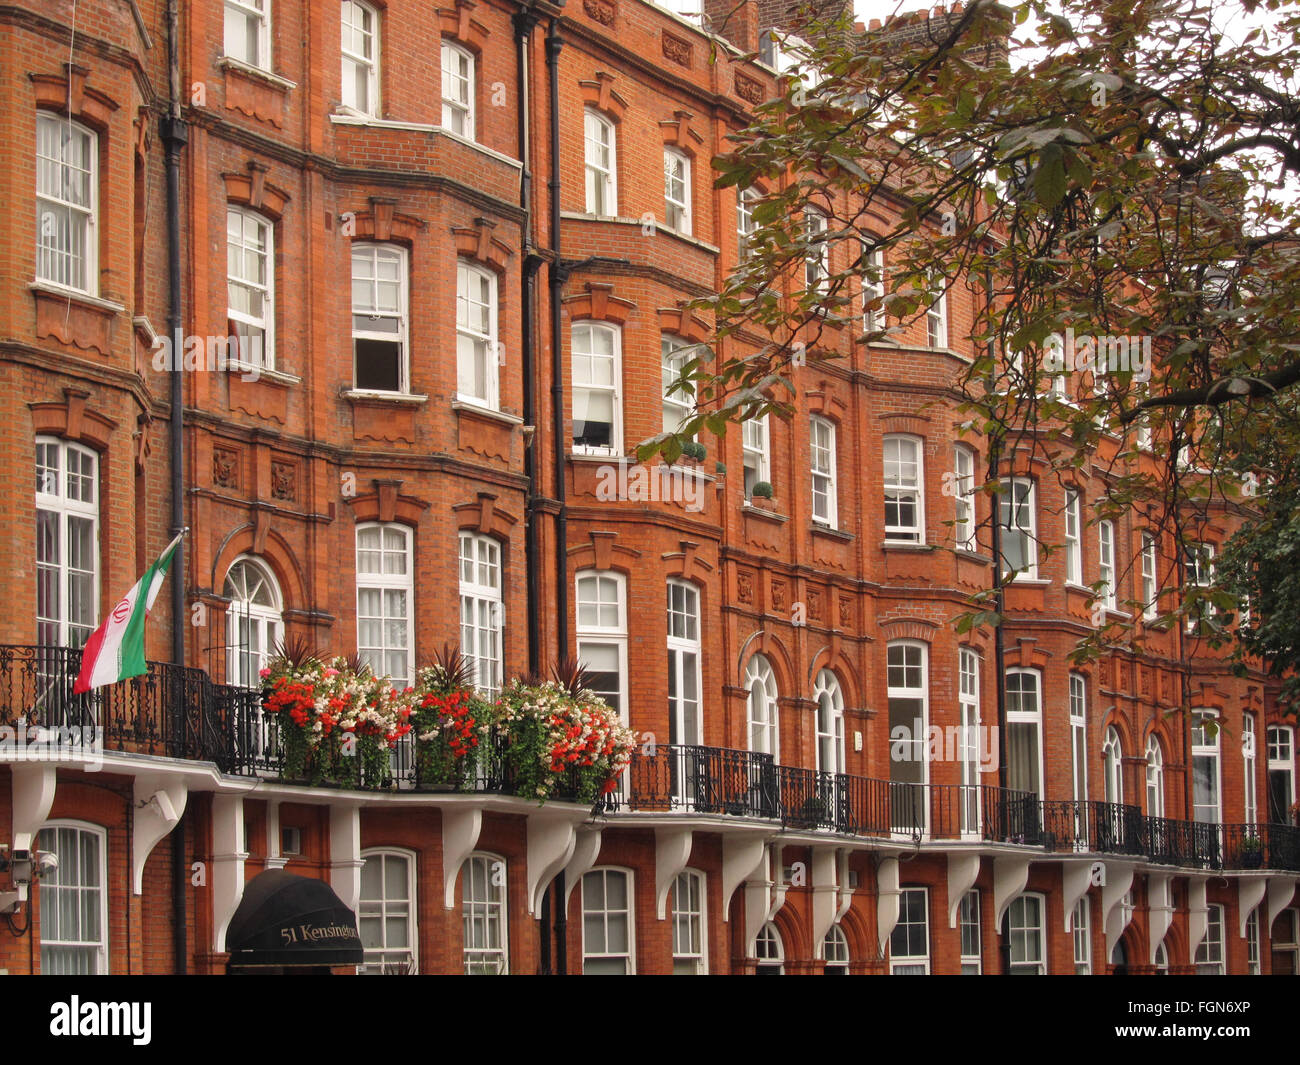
179,712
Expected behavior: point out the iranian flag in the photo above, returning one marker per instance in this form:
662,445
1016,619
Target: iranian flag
115,650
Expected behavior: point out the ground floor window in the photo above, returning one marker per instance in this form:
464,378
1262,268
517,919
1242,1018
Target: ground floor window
73,901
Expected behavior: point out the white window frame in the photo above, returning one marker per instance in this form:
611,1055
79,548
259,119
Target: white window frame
56,265
1112,758
1106,564
1150,577
374,254
828,695
817,264
249,10
763,732
614,389
1209,960
1011,515
677,204
963,466
1078,713
52,885
968,701
1198,572
898,488
384,583
1253,944
473,342
674,353
756,453
600,155
1203,748
1249,768
487,913
1082,931
901,669
243,664
936,322
482,610
769,948
1155,778
685,715
605,914
835,952
690,925
60,492
356,63
375,966
248,353
746,227
898,962
610,590
823,461
1026,935
1073,537
1281,759
458,89
873,320
1021,716
968,918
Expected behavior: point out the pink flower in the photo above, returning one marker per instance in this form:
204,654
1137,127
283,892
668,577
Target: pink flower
331,673
264,672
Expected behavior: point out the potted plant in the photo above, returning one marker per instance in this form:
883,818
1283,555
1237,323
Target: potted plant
694,450
451,721
1252,852
761,496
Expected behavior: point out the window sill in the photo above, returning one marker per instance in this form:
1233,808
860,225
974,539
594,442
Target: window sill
344,117
904,545
1040,582
248,70
397,399
972,556
830,532
49,288
246,371
687,471
490,414
685,238
597,457
761,512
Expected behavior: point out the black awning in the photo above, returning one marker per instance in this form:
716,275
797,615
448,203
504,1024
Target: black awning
286,919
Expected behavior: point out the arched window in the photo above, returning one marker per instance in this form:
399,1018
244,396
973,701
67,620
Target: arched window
690,954
908,694
1112,756
386,913
836,950
1155,778
1162,960
607,923
385,589
482,611
483,906
67,542
830,722
770,951
764,731
254,625
74,900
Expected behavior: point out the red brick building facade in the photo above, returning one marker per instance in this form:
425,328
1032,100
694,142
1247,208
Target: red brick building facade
400,242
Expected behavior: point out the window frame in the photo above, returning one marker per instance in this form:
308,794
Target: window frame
629,915
964,515
759,672
471,957
817,262
1198,572
1011,509
403,315
465,300
681,649
250,9
601,177
51,886
873,320
359,61
88,216
615,389
908,795
1106,570
746,227
383,583
968,917
1073,537
823,475
1112,755
1081,930
1150,577
478,595
1155,777
67,511
674,353
466,108
266,323
828,727
900,533
1207,751
1029,966
411,901
1280,739
241,669
1211,945
1026,717
694,915
755,454
599,635
683,204
936,323
1250,768
770,934
968,705
912,961
834,943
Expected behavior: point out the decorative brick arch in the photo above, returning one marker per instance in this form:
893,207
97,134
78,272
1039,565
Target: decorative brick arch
678,133
680,321
1117,718
253,190
686,564
794,938
386,503
272,550
383,223
599,553
770,647
861,938
831,656
477,242
909,629
598,304
68,94
906,422
484,516
601,96
459,24
73,420
824,401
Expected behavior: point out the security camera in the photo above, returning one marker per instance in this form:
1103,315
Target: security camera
46,863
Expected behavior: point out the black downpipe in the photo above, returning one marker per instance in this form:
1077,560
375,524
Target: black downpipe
174,136
524,22
556,278
544,934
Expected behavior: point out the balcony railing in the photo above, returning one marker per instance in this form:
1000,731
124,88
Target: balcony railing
179,712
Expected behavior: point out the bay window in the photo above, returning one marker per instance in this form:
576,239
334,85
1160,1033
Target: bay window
903,480
67,203
597,381
476,336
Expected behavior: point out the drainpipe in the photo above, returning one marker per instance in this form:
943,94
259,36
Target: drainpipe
174,136
524,22
556,276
